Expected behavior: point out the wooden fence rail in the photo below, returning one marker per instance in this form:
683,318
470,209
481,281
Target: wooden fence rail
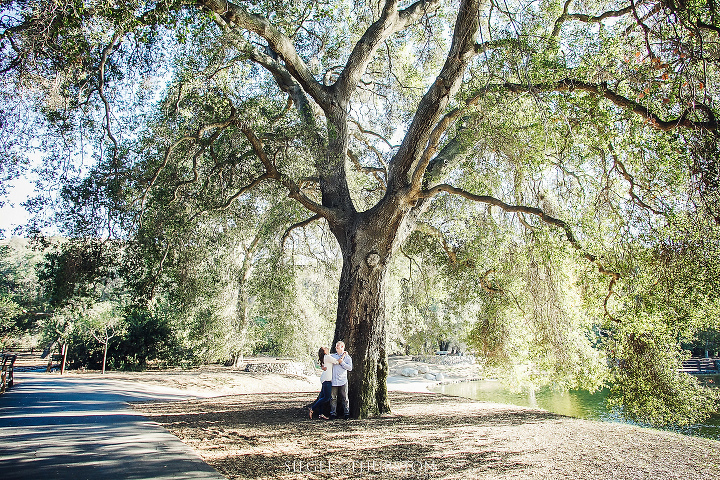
7,374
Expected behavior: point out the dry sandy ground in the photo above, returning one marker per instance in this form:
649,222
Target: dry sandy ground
257,428
214,380
268,436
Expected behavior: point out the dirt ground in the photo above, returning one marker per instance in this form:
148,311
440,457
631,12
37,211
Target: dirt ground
213,381
268,436
265,433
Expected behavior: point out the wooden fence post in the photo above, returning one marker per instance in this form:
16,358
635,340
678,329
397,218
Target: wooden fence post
64,356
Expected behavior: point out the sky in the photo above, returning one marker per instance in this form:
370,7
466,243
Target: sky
12,213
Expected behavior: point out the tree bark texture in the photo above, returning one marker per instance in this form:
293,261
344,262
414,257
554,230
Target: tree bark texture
367,249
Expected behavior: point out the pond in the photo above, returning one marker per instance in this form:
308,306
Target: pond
574,403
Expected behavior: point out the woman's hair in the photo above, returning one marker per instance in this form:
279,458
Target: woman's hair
321,355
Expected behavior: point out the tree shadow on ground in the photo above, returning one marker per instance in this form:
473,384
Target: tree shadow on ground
270,436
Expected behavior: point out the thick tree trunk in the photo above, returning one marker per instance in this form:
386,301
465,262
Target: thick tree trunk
361,309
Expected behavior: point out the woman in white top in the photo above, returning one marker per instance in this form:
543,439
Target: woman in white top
327,362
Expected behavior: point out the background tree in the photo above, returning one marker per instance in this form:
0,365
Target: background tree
9,312
103,323
20,296
74,275
551,117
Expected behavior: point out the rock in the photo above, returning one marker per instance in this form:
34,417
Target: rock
292,368
439,377
445,359
422,369
408,372
429,376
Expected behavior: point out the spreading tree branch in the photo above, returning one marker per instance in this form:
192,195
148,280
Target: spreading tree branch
168,152
602,90
390,22
489,200
432,147
548,219
374,171
370,132
283,78
302,224
101,91
645,28
229,201
236,15
631,190
404,168
581,17
272,172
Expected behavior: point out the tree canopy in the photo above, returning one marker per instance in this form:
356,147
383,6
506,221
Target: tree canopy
550,165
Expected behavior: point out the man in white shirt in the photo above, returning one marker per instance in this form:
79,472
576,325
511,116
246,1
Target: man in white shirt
339,380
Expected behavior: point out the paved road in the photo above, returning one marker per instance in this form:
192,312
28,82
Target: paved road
76,428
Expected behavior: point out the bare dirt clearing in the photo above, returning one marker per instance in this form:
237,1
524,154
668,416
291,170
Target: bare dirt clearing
213,381
268,436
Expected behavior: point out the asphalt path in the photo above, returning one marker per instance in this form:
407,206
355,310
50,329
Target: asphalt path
76,427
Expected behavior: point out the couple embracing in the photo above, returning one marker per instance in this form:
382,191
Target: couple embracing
334,381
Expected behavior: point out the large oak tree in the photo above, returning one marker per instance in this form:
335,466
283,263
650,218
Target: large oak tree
365,114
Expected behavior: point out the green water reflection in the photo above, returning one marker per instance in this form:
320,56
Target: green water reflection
574,403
